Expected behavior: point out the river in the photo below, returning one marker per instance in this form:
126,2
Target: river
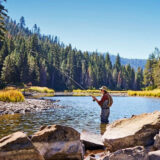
79,113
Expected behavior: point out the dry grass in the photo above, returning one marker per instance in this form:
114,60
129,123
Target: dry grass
88,92
79,92
153,93
39,89
11,96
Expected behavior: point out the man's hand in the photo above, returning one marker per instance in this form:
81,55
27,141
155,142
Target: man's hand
94,98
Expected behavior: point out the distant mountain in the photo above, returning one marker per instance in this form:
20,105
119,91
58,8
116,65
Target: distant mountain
135,63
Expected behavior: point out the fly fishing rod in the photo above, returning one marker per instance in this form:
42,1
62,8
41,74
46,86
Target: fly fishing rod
63,73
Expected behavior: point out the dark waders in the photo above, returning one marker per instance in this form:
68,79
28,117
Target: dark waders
105,112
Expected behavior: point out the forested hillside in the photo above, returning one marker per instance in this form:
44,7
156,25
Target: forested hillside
135,63
28,56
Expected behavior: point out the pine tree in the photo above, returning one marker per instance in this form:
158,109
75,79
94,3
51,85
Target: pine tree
22,22
117,64
3,15
115,77
148,74
3,54
34,74
10,74
156,74
23,65
139,79
108,67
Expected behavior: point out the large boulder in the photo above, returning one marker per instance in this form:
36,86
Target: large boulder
18,146
91,141
135,153
136,131
58,143
157,141
154,155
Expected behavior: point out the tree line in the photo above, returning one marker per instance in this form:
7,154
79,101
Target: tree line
28,56
152,70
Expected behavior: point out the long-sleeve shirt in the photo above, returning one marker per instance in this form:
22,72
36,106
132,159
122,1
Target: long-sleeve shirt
104,97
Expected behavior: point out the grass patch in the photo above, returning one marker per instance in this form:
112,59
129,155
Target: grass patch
79,92
39,89
11,96
153,93
40,95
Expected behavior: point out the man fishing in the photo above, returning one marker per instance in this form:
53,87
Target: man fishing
104,104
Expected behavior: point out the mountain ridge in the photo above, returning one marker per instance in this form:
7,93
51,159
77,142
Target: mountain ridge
135,62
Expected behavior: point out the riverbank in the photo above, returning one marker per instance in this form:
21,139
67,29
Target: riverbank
152,93
29,105
113,93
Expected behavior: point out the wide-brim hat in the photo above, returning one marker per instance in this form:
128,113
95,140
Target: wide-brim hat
104,88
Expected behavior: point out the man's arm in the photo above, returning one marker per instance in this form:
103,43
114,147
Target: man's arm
99,102
94,98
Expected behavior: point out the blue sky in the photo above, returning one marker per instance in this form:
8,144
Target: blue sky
128,27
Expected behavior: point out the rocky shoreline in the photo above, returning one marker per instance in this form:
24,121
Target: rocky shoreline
135,138
29,105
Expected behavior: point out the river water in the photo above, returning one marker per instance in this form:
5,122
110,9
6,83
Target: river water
79,113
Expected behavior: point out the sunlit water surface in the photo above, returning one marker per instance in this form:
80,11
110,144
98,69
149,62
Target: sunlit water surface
79,113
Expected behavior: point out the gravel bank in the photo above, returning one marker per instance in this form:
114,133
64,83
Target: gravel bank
30,105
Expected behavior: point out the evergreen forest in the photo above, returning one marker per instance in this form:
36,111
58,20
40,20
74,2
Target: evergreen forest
27,56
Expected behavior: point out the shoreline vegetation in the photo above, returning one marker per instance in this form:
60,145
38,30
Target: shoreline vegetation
96,92
37,92
38,89
13,94
15,100
151,93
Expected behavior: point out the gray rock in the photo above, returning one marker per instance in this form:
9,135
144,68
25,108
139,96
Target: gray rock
135,153
157,141
91,141
17,111
136,131
17,146
92,158
155,155
58,143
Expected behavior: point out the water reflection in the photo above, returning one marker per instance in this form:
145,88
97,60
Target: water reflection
9,124
103,128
